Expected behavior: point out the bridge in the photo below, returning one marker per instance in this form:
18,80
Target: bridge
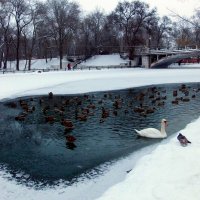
162,58
154,58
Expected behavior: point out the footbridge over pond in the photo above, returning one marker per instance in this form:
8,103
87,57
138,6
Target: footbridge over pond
162,58
151,58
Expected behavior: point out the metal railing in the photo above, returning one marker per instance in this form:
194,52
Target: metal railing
4,71
75,68
102,67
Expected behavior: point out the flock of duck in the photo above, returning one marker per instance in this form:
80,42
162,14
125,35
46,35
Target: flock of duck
155,133
157,98
109,105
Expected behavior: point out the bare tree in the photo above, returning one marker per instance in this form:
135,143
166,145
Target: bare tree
44,45
6,38
187,30
132,17
63,17
111,35
54,28
196,21
91,30
31,30
161,31
85,37
182,33
21,12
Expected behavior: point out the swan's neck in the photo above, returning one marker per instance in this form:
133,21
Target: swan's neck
163,129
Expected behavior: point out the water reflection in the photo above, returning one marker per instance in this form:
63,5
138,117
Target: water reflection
50,137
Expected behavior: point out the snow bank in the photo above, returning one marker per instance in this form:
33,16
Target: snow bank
54,63
38,64
169,172
104,60
72,82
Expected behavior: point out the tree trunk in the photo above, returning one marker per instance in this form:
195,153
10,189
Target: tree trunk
25,51
31,53
60,62
29,62
7,48
61,55
5,63
25,65
17,49
131,53
45,54
60,49
1,60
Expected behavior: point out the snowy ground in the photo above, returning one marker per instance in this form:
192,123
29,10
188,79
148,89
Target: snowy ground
95,61
38,64
170,172
102,60
167,171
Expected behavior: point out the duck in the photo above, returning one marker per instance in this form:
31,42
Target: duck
67,123
153,132
105,113
50,119
175,93
175,102
70,138
20,117
50,95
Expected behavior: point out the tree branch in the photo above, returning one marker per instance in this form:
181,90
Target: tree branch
185,19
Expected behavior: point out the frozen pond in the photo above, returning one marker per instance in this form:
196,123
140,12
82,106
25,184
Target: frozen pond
48,138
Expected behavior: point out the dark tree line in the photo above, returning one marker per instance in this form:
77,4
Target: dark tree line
32,29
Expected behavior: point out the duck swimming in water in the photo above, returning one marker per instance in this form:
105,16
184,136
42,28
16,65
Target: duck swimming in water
154,133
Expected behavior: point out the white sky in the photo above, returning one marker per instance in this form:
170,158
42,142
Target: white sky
183,7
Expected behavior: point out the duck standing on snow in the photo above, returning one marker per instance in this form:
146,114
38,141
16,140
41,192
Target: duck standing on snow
154,133
183,140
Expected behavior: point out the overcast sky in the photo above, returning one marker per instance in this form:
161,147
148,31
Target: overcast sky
182,7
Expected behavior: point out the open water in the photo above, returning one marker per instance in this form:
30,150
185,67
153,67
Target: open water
35,149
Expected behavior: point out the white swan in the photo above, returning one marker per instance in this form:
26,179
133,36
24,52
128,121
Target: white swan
154,133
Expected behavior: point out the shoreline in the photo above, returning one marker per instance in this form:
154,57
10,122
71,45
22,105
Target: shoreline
79,82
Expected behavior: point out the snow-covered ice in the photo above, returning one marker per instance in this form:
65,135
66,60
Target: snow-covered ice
165,171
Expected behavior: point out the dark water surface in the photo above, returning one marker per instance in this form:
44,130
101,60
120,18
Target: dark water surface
42,150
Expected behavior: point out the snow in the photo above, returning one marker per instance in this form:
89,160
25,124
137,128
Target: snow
102,60
164,171
38,64
169,172
72,82
94,61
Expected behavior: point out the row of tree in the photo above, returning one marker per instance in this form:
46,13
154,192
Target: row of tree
58,27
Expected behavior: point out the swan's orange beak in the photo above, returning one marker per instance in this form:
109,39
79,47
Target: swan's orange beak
166,123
